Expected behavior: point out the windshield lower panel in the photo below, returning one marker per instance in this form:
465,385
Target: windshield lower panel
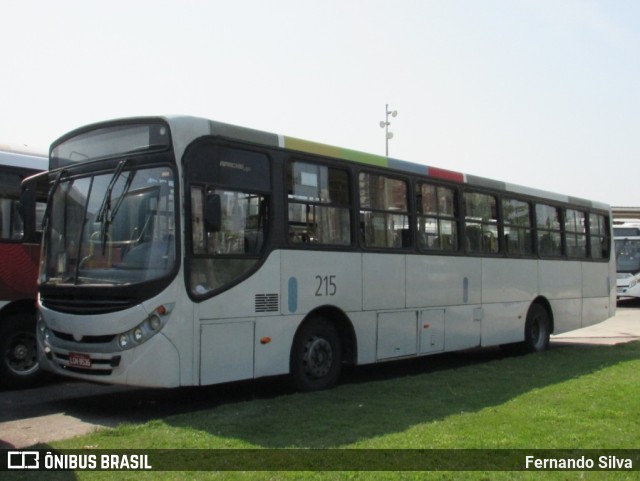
116,228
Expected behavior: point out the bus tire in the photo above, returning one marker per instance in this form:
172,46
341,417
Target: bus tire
537,329
19,367
316,356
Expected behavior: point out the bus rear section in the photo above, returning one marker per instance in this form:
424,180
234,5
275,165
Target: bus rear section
20,215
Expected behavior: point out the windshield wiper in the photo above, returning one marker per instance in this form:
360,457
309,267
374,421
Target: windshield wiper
125,189
104,215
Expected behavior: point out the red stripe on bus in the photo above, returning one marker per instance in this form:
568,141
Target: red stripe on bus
446,174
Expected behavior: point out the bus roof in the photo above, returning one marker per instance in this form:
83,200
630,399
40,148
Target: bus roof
292,143
29,160
184,127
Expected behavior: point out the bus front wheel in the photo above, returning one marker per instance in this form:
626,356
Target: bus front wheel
19,366
316,356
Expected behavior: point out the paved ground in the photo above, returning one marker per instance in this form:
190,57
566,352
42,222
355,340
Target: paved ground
64,409
624,327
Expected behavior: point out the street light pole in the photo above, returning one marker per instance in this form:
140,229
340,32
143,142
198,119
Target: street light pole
385,125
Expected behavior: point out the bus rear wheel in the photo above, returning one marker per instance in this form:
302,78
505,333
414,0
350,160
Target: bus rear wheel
537,329
316,356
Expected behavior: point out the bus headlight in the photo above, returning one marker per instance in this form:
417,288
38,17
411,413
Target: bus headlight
155,323
123,341
43,333
42,328
146,329
137,334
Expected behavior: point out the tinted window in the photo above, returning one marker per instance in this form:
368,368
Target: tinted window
481,223
318,210
384,217
437,223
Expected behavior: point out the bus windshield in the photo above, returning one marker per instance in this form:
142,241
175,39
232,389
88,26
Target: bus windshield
628,255
114,228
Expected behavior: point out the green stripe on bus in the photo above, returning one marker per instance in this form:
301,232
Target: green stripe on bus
335,152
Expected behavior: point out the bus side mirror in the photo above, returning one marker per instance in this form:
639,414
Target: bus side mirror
212,212
27,199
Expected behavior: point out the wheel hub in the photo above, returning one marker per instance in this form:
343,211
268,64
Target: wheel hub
318,357
20,352
21,357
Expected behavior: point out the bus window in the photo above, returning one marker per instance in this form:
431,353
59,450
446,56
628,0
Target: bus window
549,234
481,223
318,204
517,227
226,253
598,237
437,224
384,212
11,227
575,233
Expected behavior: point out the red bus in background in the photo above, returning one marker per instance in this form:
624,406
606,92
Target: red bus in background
21,214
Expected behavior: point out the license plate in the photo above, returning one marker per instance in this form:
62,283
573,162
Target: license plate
79,360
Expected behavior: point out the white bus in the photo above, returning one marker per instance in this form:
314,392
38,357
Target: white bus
627,247
19,259
182,251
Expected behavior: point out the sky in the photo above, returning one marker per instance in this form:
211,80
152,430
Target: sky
542,93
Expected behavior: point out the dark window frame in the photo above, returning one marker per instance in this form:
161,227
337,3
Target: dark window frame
402,239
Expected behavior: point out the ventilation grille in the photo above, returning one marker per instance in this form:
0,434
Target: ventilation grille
86,306
267,303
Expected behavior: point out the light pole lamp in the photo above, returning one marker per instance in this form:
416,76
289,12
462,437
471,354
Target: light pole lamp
385,125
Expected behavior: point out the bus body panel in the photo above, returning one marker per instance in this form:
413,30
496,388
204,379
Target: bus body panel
18,271
597,280
310,279
153,364
503,323
93,325
509,280
383,281
431,329
463,327
273,340
221,360
397,334
443,280
560,280
567,314
599,292
262,342
364,326
595,310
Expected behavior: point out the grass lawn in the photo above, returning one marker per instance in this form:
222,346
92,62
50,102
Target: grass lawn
566,398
